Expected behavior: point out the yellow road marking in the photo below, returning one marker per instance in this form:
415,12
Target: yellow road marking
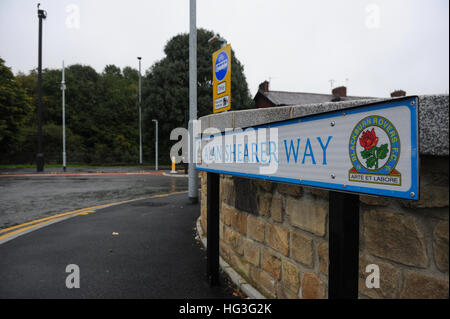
86,212
34,221
22,230
83,211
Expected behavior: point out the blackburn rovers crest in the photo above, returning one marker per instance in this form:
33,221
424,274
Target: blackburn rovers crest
374,151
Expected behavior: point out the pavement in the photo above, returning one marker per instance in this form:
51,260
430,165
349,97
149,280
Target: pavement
137,249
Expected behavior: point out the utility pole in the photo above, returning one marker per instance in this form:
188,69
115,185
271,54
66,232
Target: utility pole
140,114
63,89
156,144
193,187
40,155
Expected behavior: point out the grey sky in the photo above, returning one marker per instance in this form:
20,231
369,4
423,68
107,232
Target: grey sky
379,46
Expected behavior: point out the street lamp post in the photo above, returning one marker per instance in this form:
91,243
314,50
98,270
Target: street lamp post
156,144
140,114
63,89
42,14
192,184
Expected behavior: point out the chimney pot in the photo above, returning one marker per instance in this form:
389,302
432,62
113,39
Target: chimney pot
340,91
398,93
264,86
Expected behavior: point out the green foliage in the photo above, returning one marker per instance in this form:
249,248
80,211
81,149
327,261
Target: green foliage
102,109
166,87
14,105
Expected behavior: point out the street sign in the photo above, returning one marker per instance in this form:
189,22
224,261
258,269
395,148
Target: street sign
370,149
222,79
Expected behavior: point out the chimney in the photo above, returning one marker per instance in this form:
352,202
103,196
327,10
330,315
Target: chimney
264,87
398,93
338,93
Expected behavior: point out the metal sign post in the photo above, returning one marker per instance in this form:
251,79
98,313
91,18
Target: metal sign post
212,229
343,246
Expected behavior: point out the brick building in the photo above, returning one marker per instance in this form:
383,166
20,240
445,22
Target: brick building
265,98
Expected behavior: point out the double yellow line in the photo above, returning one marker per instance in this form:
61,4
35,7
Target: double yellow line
17,229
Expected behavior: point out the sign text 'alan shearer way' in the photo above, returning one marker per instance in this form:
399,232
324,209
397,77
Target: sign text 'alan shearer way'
371,149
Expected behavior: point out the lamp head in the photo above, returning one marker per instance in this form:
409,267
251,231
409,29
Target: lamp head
41,13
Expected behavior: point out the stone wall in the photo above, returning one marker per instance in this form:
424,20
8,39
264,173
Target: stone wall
276,235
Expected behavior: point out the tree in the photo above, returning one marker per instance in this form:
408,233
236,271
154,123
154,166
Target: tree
14,105
165,89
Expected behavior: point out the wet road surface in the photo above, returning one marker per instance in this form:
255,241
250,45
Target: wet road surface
27,198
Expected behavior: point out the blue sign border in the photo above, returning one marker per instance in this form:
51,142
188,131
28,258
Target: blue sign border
411,102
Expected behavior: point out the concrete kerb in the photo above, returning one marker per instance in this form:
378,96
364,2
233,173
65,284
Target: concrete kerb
175,175
240,282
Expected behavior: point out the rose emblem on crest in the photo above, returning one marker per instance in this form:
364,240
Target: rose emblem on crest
372,153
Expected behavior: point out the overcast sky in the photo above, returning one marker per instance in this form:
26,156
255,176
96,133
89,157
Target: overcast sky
374,46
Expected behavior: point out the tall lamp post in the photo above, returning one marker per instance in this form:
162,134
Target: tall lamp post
42,14
156,144
140,114
63,89
193,183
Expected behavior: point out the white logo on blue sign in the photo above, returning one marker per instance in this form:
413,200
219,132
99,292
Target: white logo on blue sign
221,66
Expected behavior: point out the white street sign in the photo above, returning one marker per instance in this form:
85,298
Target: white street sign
371,149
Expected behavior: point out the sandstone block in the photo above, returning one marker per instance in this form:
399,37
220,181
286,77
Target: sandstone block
291,190
312,287
263,281
255,228
302,248
322,251
290,275
251,252
276,208
440,245
277,237
239,222
271,263
394,236
308,214
417,286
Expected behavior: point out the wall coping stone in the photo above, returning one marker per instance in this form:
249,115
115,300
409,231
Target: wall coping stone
433,119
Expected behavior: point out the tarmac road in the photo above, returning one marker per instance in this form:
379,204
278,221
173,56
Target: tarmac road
30,197
140,249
